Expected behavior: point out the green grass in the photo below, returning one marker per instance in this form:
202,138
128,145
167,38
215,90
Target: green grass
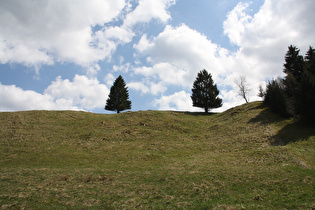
246,157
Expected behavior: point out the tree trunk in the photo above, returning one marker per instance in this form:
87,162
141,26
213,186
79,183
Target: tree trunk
245,99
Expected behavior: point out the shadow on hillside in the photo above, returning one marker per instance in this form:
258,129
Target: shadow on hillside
293,132
198,113
297,131
266,116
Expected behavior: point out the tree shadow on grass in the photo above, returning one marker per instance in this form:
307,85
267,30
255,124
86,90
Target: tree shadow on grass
266,116
198,113
298,130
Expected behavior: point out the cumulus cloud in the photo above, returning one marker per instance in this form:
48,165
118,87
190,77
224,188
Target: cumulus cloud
237,19
42,33
148,87
263,38
179,53
148,10
84,92
35,33
80,94
139,86
13,98
109,79
179,101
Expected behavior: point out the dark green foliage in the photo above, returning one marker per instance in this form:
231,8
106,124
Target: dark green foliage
306,103
310,60
294,68
118,96
307,96
261,92
276,98
205,92
293,63
295,94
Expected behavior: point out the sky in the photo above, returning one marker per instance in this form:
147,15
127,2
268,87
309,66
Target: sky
65,55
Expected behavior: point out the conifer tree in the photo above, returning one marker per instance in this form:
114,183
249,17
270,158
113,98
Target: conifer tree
276,97
118,96
295,94
205,92
310,60
293,63
307,88
293,68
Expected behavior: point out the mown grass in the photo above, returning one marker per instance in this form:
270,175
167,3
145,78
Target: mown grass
246,157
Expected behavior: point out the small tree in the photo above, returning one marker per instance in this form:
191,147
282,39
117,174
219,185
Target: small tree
243,89
261,92
118,96
205,92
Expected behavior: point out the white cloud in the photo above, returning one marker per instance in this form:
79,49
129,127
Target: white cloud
237,19
122,67
143,70
157,88
36,33
178,54
166,72
80,94
148,10
124,35
148,87
143,44
263,39
138,86
109,79
86,93
180,101
13,98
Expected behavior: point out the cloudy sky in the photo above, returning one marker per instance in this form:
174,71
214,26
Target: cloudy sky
65,55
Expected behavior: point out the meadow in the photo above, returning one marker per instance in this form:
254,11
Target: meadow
244,158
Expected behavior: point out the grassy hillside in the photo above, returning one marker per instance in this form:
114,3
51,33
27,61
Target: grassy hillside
246,157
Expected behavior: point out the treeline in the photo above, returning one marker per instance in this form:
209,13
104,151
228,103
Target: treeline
294,95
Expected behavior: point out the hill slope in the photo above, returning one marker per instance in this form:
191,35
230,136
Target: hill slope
246,157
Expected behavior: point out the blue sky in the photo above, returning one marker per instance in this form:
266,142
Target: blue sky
65,55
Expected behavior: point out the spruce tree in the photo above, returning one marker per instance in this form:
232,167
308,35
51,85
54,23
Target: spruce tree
293,68
205,92
118,96
306,99
310,60
294,63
